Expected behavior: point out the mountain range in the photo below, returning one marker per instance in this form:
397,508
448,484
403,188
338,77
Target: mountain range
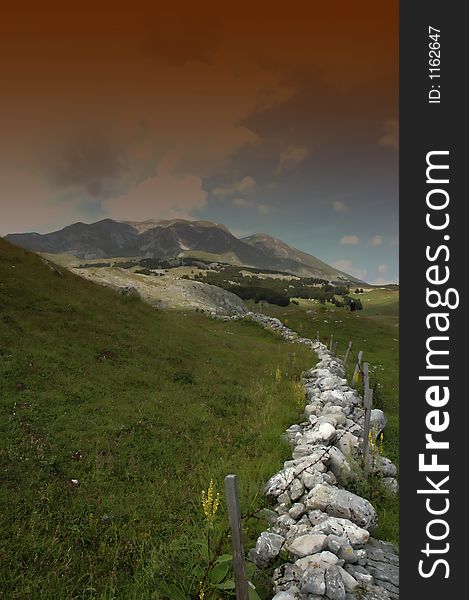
176,238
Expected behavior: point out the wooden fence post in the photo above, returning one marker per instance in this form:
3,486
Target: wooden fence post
334,350
234,514
347,354
357,369
331,341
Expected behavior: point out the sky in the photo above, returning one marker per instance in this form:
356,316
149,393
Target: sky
269,117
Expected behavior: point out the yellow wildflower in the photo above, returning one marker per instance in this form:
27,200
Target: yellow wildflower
278,375
210,502
298,393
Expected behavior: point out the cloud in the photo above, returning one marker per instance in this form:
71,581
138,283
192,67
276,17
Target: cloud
164,196
29,204
391,134
382,268
347,267
340,206
265,209
350,240
245,185
92,163
292,156
377,240
380,281
241,202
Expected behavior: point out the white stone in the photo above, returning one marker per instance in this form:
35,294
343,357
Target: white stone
306,544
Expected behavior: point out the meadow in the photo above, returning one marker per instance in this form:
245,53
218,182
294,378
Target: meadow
114,416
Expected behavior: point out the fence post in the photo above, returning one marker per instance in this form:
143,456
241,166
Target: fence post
367,404
317,336
234,514
357,369
347,354
334,350
331,341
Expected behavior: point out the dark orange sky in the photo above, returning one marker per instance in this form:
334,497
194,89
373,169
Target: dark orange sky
195,109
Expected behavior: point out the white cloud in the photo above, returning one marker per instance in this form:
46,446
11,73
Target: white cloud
265,209
382,268
245,185
350,240
165,196
291,156
391,134
340,206
29,204
377,240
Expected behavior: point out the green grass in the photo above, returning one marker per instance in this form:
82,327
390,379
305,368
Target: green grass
375,330
143,408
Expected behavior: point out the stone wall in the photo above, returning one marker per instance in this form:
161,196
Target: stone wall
322,528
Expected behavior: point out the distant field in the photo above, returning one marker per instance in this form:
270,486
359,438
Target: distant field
142,408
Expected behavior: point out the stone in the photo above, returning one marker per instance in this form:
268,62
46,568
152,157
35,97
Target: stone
328,557
391,484
297,489
320,559
297,510
279,483
335,588
360,574
317,516
353,534
284,524
347,443
329,478
267,548
378,421
383,466
324,433
310,480
350,582
343,504
315,460
335,542
339,465
284,498
330,383
313,581
269,516
285,596
374,593
306,544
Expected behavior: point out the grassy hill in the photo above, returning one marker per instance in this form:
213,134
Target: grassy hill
113,417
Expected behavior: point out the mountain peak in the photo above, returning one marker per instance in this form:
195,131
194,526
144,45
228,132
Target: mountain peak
171,238
142,226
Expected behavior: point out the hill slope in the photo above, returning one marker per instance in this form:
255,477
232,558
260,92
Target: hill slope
113,417
168,239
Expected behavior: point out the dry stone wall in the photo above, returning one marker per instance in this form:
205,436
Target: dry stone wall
322,527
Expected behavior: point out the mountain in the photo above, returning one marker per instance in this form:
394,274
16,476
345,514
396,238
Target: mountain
171,238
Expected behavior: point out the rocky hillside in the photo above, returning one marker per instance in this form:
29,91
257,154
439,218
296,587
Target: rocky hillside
170,239
167,292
